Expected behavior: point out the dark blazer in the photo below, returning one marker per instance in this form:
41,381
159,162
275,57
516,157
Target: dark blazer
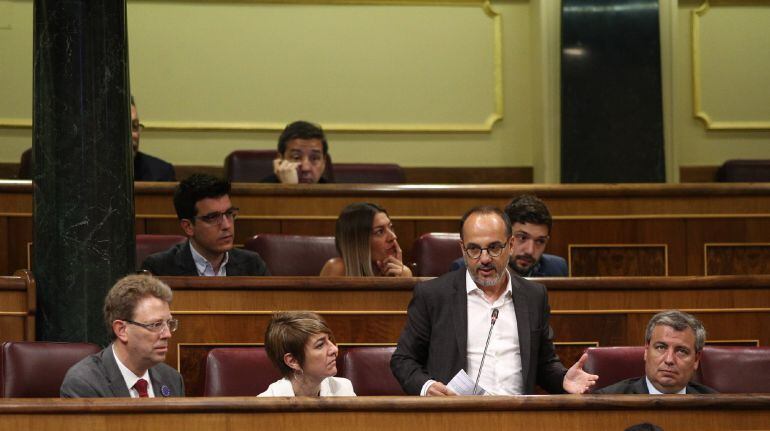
178,260
639,386
434,340
549,265
98,375
149,168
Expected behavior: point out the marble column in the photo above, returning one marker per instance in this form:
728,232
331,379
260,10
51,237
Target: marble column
83,173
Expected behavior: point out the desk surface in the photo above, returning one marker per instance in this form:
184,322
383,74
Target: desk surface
562,412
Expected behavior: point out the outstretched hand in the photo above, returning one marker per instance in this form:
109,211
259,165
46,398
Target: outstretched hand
577,381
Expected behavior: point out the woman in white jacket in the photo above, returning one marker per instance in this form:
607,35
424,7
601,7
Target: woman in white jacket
300,344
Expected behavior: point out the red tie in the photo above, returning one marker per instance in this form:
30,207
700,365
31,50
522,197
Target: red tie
141,387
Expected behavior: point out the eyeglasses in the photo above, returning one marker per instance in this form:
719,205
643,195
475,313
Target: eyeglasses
522,237
493,250
218,217
137,127
172,325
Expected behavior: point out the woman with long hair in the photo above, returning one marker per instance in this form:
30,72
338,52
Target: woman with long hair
367,244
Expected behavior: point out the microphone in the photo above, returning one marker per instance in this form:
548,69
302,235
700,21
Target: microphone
495,312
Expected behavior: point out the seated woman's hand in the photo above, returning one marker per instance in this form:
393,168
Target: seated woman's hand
393,266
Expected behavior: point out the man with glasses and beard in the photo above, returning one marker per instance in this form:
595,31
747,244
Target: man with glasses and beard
136,311
207,217
448,320
531,232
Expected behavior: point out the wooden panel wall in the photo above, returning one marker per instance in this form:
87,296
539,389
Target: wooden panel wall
682,217
17,307
560,412
630,260
606,311
745,258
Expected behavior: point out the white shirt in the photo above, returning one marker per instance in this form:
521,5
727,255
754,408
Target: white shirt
204,267
131,378
654,391
330,387
502,372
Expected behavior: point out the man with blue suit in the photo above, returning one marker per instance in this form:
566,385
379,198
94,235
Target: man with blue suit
531,231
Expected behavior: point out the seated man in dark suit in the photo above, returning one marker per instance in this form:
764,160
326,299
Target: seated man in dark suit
136,311
448,320
673,344
147,167
207,217
531,232
302,154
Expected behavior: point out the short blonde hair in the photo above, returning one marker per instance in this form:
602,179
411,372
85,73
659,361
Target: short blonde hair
121,300
288,332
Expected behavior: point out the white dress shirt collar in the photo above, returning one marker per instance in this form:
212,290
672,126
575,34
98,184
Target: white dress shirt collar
654,391
130,378
470,286
204,267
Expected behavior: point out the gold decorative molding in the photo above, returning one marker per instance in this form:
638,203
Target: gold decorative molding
698,111
226,126
15,123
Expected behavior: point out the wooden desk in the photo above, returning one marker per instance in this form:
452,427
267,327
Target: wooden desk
17,307
586,312
676,223
560,412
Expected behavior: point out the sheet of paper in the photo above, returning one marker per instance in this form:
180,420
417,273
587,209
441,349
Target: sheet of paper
462,384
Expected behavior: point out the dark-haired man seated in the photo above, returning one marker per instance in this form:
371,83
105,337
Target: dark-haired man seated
302,153
207,217
531,231
673,344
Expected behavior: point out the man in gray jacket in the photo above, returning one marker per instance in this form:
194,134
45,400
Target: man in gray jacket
136,311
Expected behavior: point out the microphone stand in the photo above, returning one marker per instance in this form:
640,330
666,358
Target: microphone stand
495,312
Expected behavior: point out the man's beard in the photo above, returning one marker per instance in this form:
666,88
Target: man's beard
522,270
487,282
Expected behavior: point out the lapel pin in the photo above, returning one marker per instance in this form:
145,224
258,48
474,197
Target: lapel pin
165,391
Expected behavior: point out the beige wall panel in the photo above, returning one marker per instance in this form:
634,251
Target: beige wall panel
361,67
730,67
427,65
15,77
694,144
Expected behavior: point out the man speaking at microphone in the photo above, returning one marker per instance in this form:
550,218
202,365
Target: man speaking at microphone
449,319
